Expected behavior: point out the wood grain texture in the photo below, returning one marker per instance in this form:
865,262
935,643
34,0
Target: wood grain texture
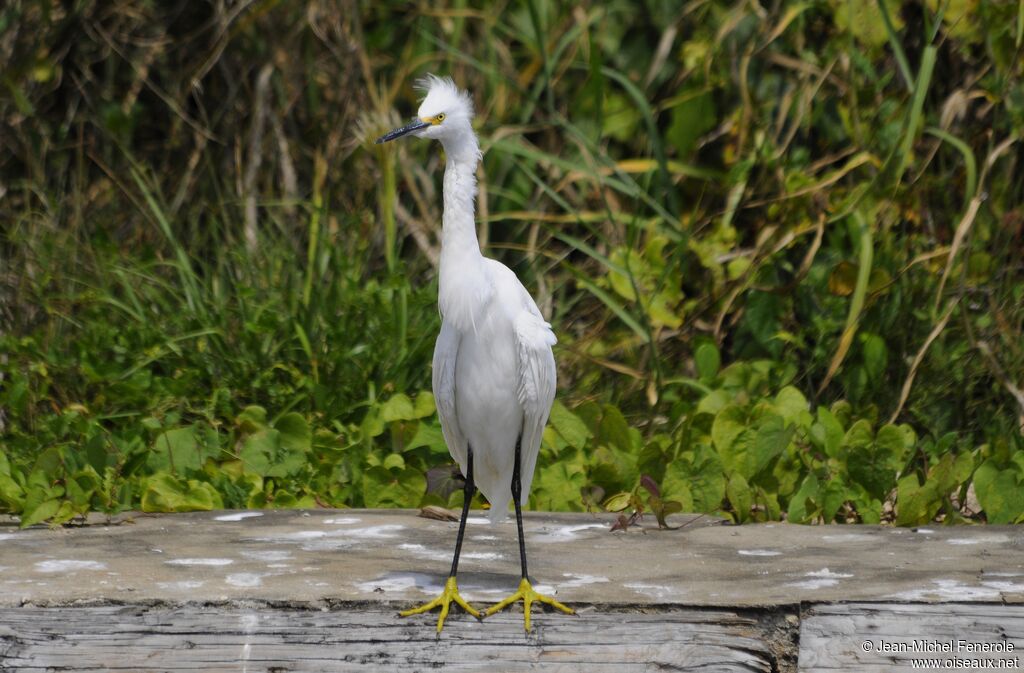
867,637
372,638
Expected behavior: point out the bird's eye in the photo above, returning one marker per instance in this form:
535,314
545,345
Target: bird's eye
440,117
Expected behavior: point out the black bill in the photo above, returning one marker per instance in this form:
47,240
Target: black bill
416,125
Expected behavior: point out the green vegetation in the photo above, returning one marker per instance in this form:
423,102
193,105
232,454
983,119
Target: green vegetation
780,244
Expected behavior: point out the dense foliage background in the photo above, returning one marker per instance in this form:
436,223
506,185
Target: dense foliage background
780,244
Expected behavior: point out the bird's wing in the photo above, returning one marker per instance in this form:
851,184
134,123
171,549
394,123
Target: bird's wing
446,352
536,390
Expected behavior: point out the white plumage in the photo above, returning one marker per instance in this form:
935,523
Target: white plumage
494,372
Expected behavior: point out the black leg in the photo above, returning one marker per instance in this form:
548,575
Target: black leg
469,490
517,490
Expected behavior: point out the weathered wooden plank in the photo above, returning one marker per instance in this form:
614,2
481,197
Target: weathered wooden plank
371,638
393,555
882,637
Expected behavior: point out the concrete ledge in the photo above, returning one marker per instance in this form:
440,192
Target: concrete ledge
264,590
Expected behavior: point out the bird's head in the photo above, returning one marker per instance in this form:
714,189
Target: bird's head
446,112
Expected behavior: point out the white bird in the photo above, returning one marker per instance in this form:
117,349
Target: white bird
494,372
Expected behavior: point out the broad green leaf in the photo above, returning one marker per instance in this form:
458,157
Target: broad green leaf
11,494
891,441
691,119
708,361
827,433
617,502
792,405
424,405
164,492
728,424
1000,492
430,436
294,432
876,356
259,450
398,408
859,435
740,497
614,429
182,449
252,419
394,461
573,430
386,488
803,505
713,402
557,487
676,485
38,512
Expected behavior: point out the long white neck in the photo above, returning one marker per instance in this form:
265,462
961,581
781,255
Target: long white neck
465,287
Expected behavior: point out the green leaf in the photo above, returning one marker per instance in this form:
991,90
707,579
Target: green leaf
617,502
398,408
164,492
294,432
424,405
386,488
793,407
713,402
38,512
557,487
1000,492
691,119
258,451
708,361
727,426
183,449
430,436
802,506
827,433
832,497
252,419
394,461
614,429
740,497
573,430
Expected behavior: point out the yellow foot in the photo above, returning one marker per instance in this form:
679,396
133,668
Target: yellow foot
450,594
527,595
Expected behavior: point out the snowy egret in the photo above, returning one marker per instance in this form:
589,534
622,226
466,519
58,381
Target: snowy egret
494,372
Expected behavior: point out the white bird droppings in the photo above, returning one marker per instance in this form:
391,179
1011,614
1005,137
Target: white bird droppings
237,516
826,573
657,591
68,565
185,585
268,555
244,580
758,552
402,582
565,533
818,583
200,562
580,580
948,590
847,537
985,539
341,521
